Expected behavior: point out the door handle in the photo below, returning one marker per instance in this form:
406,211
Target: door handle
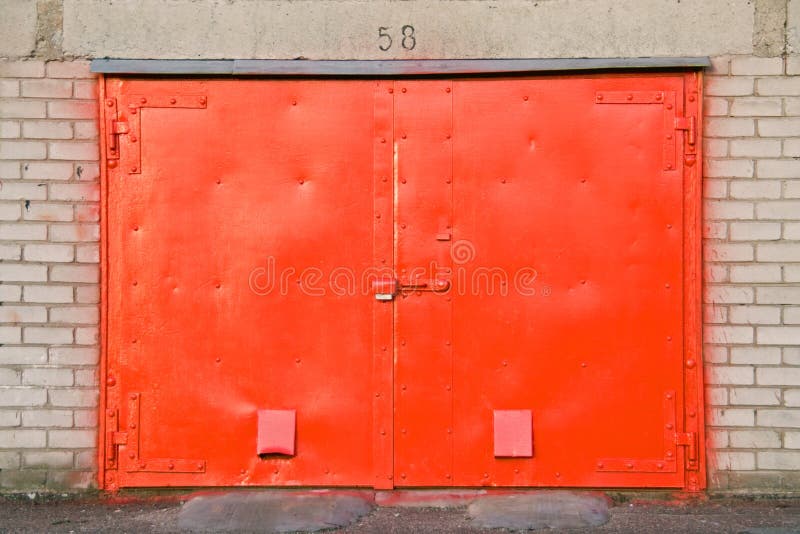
387,289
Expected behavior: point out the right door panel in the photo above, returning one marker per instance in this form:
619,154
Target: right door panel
567,257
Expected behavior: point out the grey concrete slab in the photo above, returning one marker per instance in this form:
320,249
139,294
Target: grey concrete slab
17,28
414,29
545,509
273,511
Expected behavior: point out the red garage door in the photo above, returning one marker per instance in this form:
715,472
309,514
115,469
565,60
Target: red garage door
467,282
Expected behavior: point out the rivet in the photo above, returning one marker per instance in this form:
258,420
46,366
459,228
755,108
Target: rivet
660,465
390,477
403,89
131,455
558,475
505,363
275,472
447,90
502,180
583,180
112,164
110,413
402,475
301,181
692,414
403,387
385,179
219,181
599,97
142,465
583,364
111,381
669,396
377,395
383,349
403,226
669,338
448,181
203,100
447,342
659,96
172,101
486,475
669,136
669,106
600,465
690,364
297,360
669,426
294,102
630,97
242,471
133,139
525,98
143,100
133,425
218,360
669,226
402,180
403,431
217,285
383,432
403,136
383,139
135,283
133,340
134,169
669,166
403,341
133,111
447,136
583,281
629,465
199,466
691,98
377,215
109,103
448,387
669,453
391,90
516,471
667,286
447,476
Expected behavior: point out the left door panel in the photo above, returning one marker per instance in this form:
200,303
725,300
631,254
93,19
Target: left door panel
229,207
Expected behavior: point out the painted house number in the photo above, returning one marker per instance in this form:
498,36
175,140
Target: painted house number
407,38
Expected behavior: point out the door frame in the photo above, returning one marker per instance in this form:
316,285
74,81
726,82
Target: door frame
690,69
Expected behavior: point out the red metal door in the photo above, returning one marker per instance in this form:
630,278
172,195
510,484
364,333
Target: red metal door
402,283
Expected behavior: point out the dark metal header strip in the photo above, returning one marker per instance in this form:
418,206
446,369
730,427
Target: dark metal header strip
281,67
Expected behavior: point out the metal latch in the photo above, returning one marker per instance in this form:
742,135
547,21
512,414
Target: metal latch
388,288
688,440
686,123
384,289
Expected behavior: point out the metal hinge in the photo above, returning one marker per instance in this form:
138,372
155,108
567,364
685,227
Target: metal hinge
688,124
688,440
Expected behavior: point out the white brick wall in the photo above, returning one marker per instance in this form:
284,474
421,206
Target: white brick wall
752,271
48,275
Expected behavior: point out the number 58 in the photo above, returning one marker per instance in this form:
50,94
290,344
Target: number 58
385,39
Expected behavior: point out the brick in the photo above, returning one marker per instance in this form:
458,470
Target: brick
9,88
715,230
754,439
791,440
755,189
21,69
756,66
9,130
791,315
715,354
74,150
75,232
735,461
48,459
22,109
756,355
755,231
79,398
46,88
779,252
728,295
23,355
757,107
10,293
791,397
755,396
9,460
778,86
792,106
10,334
10,418
779,335
87,335
23,314
10,377
86,460
10,252
755,273
85,89
87,294
777,418
22,439
73,356
728,252
725,127
47,335
715,148
739,86
47,377
715,188
86,130
786,209
9,170
49,253
23,232
10,211
730,374
48,294
716,396
47,170
18,191
754,315
783,460
86,377
778,295
69,69
791,273
724,209
755,148
47,130
87,254
74,273
791,148
733,168
47,418
715,314
71,439
22,396
10,272
72,109
778,168
715,272
74,192
39,211
792,189
779,127
86,418
23,150
715,107
75,314
88,172
732,417
791,231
